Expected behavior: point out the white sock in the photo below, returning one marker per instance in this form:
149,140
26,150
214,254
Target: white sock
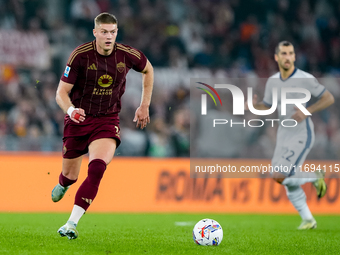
76,214
297,197
300,178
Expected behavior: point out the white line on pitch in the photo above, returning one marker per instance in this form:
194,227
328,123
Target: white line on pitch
184,223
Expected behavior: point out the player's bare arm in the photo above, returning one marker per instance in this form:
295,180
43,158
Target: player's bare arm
142,113
326,100
64,102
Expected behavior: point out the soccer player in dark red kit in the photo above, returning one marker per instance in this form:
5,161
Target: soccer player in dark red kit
90,93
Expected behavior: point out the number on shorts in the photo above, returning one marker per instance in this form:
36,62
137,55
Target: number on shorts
290,154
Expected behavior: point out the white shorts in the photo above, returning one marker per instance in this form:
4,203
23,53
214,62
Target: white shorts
290,154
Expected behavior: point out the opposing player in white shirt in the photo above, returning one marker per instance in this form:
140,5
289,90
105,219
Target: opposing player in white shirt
294,143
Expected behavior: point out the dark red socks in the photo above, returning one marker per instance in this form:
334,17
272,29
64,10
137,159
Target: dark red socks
64,181
89,188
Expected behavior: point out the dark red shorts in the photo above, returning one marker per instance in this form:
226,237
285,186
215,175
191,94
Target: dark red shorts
78,136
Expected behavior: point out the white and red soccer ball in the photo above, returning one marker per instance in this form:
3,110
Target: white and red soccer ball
207,232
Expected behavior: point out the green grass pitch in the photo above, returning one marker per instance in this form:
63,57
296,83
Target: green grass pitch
33,233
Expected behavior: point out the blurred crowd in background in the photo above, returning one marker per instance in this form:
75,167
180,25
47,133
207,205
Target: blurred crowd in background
233,38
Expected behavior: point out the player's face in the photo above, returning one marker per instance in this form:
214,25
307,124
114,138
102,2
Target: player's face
106,35
286,57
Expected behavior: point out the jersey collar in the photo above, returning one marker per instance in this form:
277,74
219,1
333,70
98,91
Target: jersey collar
289,75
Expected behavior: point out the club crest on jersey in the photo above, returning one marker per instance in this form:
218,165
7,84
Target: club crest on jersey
67,71
105,80
120,67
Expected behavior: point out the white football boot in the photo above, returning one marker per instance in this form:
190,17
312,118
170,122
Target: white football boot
69,230
307,224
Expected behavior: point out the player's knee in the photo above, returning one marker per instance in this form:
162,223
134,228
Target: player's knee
96,171
278,177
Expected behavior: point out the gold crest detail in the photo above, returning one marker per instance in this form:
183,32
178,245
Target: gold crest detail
120,67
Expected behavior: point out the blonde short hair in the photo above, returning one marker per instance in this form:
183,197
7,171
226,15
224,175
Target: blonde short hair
105,18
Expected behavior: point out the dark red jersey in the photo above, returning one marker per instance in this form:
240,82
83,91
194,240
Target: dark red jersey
99,81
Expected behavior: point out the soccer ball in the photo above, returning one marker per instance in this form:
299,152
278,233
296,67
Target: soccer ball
207,232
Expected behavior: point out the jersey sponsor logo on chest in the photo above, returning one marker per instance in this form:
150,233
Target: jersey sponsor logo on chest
105,80
121,67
